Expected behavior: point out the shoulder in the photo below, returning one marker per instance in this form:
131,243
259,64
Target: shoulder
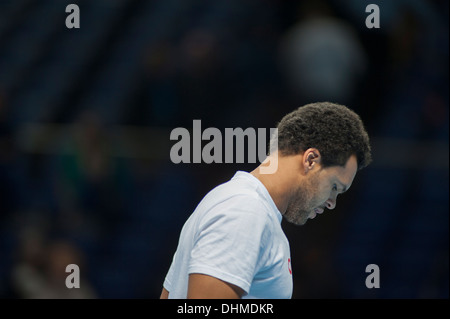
240,218
236,203
240,191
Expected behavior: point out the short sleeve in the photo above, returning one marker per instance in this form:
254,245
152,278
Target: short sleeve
231,241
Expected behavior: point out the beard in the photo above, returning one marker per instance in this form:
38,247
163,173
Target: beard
302,203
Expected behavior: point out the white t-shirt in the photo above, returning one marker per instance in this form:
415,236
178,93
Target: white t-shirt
234,235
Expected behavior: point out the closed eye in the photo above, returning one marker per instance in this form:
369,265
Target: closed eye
344,187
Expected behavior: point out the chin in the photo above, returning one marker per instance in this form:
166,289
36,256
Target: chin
299,221
297,217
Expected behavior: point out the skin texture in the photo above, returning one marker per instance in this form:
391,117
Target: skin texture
302,185
300,188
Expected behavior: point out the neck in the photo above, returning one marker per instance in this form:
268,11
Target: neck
278,183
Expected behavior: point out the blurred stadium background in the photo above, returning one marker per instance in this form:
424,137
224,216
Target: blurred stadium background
86,114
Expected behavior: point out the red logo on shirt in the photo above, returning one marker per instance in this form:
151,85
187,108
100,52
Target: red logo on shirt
289,266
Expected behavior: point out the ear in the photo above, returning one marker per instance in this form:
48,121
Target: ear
311,159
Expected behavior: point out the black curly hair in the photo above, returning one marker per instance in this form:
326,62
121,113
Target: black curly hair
334,129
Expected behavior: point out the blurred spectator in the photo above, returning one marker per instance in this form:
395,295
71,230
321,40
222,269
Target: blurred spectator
90,177
39,271
322,56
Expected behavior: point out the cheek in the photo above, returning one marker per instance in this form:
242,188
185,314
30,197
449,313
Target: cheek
322,195
318,192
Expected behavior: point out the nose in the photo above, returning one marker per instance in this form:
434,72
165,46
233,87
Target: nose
331,203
